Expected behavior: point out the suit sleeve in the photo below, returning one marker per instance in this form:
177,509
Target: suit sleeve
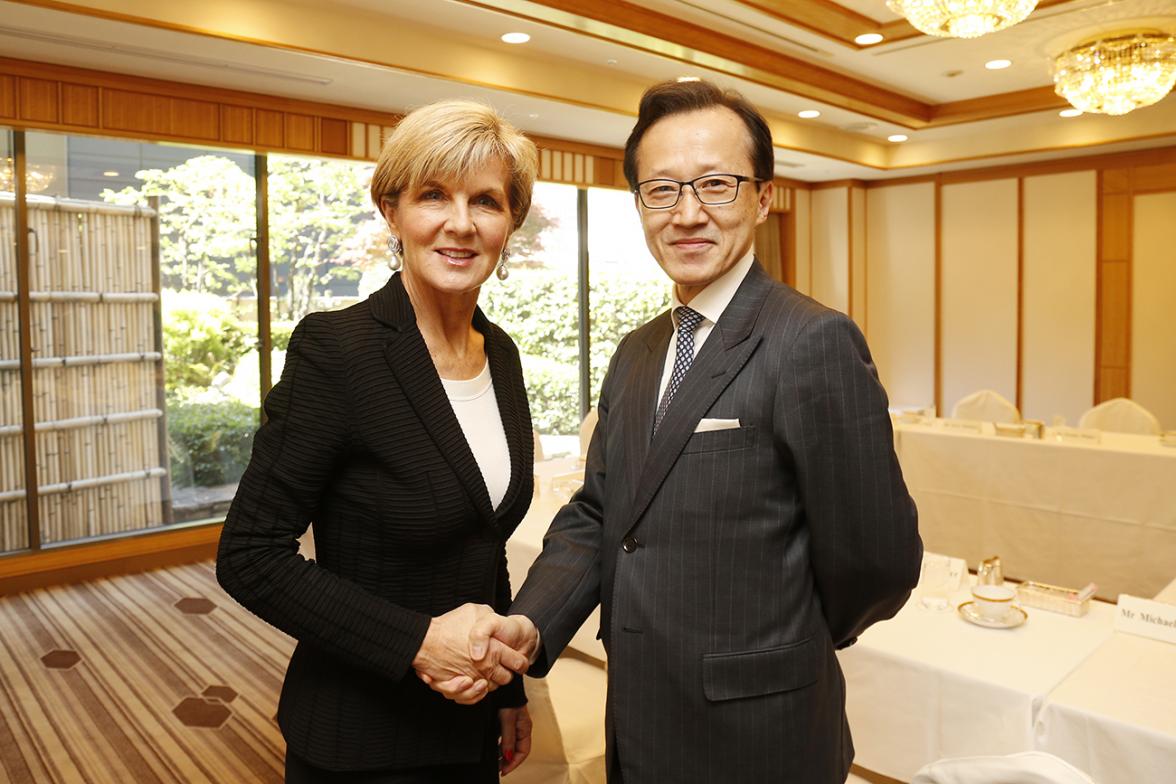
289,473
865,548
563,585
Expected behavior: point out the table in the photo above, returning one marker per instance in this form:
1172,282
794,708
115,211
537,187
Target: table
926,685
1058,512
1114,716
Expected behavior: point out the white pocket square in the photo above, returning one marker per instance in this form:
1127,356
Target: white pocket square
707,425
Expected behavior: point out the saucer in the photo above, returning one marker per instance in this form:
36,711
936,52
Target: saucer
1015,617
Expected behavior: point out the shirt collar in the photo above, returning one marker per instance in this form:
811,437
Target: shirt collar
714,299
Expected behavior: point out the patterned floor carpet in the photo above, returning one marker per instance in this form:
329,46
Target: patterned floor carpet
155,677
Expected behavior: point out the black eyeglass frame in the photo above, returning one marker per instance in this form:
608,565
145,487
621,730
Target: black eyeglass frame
739,180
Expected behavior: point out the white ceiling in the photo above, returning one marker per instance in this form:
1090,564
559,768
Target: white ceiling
915,67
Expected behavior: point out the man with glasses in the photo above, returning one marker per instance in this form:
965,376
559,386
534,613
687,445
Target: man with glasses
743,514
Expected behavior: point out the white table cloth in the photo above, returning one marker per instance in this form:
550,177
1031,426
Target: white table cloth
926,685
1058,512
1115,715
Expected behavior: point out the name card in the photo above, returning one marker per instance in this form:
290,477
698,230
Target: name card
1146,618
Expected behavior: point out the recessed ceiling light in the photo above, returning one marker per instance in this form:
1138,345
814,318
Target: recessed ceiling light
1070,113
897,137
998,65
515,38
610,61
868,39
534,115
808,114
109,174
689,79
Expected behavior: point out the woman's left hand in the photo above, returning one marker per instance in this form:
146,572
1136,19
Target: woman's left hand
515,741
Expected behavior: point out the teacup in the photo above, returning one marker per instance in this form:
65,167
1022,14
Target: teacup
993,601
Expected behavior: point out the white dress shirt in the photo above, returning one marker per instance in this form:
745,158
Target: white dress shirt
708,303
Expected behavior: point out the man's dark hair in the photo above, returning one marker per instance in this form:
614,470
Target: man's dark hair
668,98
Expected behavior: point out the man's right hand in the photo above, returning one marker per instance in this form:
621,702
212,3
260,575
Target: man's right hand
445,664
517,632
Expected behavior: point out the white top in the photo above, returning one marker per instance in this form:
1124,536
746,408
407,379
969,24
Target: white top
476,408
708,303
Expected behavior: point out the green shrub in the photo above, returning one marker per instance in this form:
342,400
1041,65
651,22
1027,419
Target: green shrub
280,332
209,442
202,338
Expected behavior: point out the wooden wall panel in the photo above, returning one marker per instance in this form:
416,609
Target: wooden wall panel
334,136
138,112
1153,292
270,128
38,100
858,279
1114,288
900,236
802,207
79,105
300,132
979,289
1060,261
197,119
236,124
830,247
7,96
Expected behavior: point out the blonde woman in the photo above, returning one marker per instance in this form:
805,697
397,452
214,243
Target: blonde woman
400,427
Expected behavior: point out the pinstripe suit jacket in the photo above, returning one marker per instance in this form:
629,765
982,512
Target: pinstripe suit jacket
730,564
362,441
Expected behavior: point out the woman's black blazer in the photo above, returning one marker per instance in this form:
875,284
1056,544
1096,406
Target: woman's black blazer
361,440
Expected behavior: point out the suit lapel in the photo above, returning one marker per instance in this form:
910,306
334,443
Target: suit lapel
409,359
646,378
516,419
721,358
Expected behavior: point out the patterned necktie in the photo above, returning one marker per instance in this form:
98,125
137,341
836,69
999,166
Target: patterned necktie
688,321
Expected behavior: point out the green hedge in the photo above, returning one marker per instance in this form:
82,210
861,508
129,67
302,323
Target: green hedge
209,443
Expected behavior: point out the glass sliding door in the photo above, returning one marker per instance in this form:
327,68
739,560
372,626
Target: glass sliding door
13,516
144,305
626,286
538,307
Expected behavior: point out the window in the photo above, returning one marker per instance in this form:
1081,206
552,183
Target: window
13,519
627,287
144,303
538,307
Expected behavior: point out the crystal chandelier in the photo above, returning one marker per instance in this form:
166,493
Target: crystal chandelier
37,178
1116,74
962,18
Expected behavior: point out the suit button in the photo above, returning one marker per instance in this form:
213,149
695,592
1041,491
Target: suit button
630,544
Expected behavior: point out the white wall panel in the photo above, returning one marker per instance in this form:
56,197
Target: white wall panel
979,289
900,243
1060,215
1153,301
830,247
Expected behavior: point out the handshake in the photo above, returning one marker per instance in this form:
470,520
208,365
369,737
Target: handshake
470,651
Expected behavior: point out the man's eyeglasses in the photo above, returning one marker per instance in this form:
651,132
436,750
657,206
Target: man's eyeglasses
663,193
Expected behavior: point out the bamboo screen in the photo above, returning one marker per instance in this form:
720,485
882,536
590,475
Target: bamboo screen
13,533
96,372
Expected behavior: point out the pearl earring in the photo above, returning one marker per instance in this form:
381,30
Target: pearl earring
502,271
395,248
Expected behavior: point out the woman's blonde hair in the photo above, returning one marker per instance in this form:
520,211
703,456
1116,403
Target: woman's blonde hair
450,140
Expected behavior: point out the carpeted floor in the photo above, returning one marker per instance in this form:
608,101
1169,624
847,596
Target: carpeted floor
155,677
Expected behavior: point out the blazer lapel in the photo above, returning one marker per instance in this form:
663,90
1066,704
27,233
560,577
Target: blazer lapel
646,375
721,358
409,359
511,397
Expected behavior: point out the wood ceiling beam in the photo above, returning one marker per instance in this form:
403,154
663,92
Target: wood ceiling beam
634,26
